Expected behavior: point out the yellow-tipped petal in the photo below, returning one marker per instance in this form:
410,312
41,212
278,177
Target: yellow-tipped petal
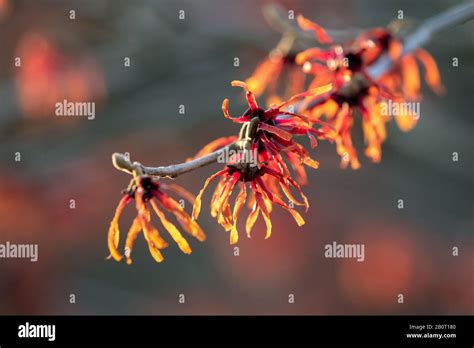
131,237
251,219
298,218
234,235
197,202
155,252
411,77
276,131
239,203
262,203
432,75
113,231
172,230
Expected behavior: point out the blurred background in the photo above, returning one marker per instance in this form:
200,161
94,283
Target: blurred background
190,62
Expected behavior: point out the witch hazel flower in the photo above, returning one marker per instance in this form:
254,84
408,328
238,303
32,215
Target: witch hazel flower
269,133
147,192
355,93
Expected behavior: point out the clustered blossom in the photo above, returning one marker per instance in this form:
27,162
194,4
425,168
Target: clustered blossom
345,67
339,91
269,133
145,191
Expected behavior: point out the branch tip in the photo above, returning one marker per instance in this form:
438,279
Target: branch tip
122,162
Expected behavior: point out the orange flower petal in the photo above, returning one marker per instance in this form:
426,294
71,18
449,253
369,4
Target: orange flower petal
406,121
411,77
155,252
320,33
187,223
180,191
114,232
224,214
262,203
395,50
172,230
132,235
252,218
275,130
311,162
308,54
249,95
150,232
239,203
197,202
267,71
432,75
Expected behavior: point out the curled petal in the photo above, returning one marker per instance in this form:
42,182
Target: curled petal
313,92
197,202
250,97
298,218
320,33
215,197
432,76
114,232
298,168
224,214
225,109
288,194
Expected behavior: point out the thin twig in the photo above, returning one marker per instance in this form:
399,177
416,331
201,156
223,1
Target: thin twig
419,37
452,17
121,162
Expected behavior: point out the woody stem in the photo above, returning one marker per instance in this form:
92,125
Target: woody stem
121,162
442,21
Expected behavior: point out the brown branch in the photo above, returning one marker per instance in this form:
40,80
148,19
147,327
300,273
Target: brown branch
419,37
442,21
121,162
